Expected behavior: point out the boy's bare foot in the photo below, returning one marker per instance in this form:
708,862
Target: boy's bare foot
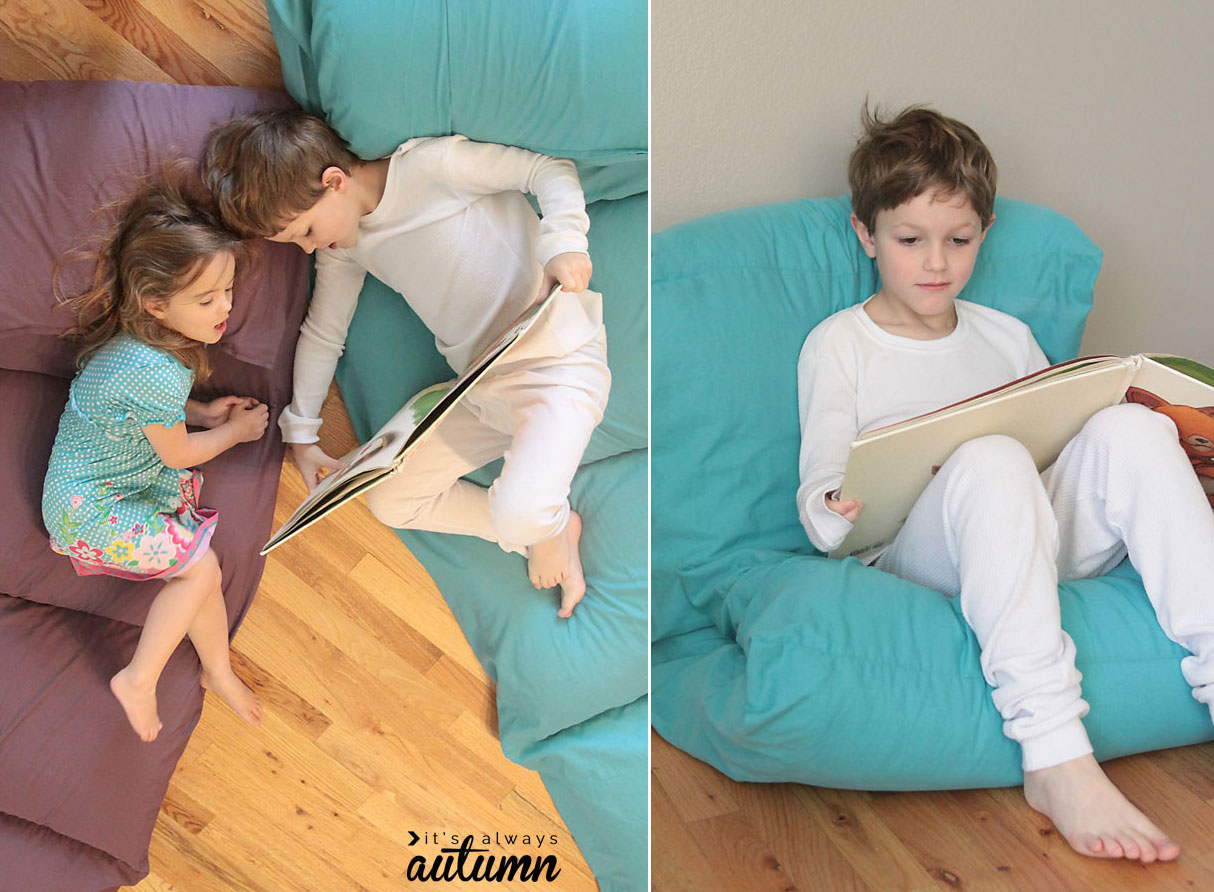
138,701
1092,814
556,561
236,694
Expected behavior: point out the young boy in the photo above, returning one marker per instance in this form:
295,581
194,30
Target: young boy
445,222
989,528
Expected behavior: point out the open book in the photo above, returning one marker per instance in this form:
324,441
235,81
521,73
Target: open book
386,452
888,468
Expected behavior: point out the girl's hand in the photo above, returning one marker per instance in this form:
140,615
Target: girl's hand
216,412
848,510
311,460
248,419
572,269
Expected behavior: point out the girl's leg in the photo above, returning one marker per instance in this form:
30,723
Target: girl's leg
171,615
984,529
209,635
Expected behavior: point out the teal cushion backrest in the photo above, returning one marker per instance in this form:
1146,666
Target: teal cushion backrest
566,79
734,296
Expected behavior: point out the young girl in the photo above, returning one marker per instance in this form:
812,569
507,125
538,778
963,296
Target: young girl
121,494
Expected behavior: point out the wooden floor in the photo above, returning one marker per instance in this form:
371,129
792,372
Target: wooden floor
379,719
711,834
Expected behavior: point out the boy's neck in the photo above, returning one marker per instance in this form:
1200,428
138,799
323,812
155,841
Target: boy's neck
369,180
909,325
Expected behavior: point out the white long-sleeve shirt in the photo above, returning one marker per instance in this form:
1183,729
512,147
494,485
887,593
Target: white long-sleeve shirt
455,235
853,377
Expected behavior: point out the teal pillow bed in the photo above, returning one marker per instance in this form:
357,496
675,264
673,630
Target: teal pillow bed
774,663
566,79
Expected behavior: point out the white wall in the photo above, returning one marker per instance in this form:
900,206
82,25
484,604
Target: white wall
1101,110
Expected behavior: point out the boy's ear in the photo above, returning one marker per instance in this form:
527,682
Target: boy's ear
862,233
987,229
334,177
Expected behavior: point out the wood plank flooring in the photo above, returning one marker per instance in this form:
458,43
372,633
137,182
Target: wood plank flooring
712,834
379,719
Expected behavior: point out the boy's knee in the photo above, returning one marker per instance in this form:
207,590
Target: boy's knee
994,458
1132,429
521,518
392,510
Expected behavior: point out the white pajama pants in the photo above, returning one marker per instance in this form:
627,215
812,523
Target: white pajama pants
990,529
537,408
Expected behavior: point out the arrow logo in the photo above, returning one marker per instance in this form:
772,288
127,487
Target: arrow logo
415,838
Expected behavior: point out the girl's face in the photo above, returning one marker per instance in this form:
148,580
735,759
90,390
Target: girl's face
200,310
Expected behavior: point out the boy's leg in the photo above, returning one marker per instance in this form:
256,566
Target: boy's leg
428,494
1124,484
984,529
552,408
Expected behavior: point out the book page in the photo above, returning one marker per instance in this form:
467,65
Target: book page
1183,390
364,466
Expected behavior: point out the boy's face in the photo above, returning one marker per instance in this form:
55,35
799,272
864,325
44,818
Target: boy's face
925,250
330,223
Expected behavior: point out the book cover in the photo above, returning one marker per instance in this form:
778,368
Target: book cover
888,468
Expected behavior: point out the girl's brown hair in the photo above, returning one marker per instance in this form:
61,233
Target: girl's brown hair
918,150
162,242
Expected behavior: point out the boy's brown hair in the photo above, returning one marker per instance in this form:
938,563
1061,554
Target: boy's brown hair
919,150
264,168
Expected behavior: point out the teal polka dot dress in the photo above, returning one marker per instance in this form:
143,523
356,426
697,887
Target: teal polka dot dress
109,502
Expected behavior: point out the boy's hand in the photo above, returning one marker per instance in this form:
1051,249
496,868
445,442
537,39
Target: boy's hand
572,269
311,460
216,412
249,419
848,510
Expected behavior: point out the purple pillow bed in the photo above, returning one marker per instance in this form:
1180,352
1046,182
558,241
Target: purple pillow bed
79,792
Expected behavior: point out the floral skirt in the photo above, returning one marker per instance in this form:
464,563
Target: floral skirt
134,539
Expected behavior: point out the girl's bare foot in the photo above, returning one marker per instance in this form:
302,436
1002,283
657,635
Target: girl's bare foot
138,701
556,561
236,694
1092,814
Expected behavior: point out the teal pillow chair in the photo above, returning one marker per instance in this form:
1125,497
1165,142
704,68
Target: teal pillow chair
774,663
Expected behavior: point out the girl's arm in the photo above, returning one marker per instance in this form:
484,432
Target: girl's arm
214,413
178,448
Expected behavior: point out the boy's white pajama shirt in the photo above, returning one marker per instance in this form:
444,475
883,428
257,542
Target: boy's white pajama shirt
993,531
455,235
